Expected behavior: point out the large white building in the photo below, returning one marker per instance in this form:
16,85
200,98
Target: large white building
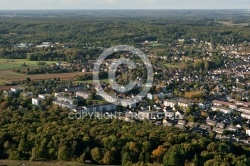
99,108
66,102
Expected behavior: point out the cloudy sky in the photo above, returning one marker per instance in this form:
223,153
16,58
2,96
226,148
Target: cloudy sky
124,4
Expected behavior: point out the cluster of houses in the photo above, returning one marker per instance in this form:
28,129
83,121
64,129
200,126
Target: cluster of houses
42,45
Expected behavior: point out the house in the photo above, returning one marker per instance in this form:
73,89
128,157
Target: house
218,130
246,116
37,101
41,97
222,109
205,127
160,95
222,137
221,125
177,101
162,88
223,103
210,122
59,94
184,103
45,44
170,103
167,123
128,103
191,124
244,110
179,115
74,88
203,106
182,122
232,128
248,132
82,94
44,96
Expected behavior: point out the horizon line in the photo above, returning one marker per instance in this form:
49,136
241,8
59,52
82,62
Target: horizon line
129,9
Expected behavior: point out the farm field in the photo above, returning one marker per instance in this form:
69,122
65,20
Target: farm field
7,64
10,76
232,24
91,81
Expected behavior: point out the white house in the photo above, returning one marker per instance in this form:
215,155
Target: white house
128,103
36,101
41,97
82,94
248,132
184,103
44,96
244,110
222,109
246,116
203,106
170,103
159,95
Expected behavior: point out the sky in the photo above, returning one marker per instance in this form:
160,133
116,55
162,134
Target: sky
124,4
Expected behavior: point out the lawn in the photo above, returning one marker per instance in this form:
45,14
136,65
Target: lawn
6,64
7,76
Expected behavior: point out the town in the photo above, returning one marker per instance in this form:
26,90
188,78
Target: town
125,87
210,102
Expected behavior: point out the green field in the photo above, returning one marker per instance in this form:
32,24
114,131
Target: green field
7,64
155,45
229,23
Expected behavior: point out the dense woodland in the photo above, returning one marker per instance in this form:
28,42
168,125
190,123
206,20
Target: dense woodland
108,28
33,134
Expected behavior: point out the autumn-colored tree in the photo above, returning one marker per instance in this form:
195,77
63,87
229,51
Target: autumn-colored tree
158,153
